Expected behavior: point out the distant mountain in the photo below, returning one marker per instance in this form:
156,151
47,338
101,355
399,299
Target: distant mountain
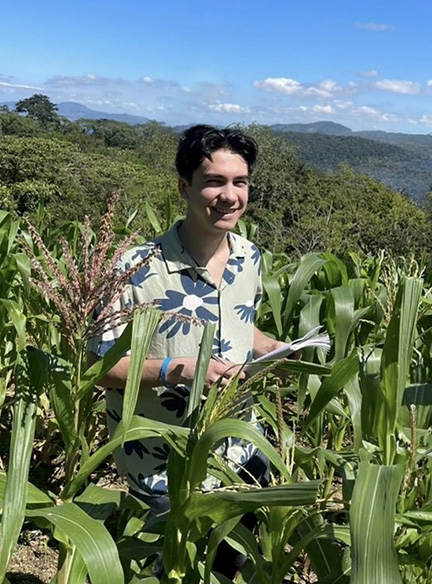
9,104
74,111
328,128
180,129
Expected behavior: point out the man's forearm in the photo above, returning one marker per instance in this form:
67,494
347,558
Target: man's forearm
117,376
180,370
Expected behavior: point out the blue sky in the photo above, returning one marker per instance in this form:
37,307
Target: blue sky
363,63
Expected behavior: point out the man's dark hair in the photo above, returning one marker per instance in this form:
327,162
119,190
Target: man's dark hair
199,142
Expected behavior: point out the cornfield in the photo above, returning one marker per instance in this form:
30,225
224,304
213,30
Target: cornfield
347,433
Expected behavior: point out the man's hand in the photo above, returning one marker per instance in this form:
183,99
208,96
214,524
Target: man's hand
264,344
182,370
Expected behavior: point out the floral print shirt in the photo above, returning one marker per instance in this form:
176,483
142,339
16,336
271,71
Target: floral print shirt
176,284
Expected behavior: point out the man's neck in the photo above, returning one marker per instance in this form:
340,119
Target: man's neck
206,246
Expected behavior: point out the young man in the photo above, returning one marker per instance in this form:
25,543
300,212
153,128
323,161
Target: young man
202,270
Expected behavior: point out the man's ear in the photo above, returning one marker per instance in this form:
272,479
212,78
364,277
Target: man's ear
183,188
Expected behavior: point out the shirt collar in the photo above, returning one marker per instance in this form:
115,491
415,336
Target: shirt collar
177,258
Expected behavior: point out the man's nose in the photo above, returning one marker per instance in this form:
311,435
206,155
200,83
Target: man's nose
229,191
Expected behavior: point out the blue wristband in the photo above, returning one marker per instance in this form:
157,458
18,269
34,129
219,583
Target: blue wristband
163,372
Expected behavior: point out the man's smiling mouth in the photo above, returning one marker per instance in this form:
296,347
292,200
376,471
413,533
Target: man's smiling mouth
224,211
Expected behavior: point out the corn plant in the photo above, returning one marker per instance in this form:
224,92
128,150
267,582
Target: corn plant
72,292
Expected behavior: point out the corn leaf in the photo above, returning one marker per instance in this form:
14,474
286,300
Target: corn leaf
91,539
28,386
335,270
372,518
319,542
140,428
203,360
341,374
216,537
35,497
144,325
235,429
246,539
77,573
274,294
395,362
18,319
399,341
57,379
101,367
343,300
151,216
308,266
223,505
303,367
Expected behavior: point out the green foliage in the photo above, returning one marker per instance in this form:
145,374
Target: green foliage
13,124
72,184
38,107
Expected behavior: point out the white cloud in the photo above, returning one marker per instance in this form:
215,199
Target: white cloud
326,88
323,109
374,26
13,86
330,86
98,102
398,86
283,85
344,105
365,109
370,73
90,80
426,120
159,83
315,109
429,83
228,108
287,86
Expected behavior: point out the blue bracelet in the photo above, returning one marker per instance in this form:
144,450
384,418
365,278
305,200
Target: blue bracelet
163,372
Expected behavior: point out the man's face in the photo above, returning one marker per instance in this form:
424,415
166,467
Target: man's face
218,194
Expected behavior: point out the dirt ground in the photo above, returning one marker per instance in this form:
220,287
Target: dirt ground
34,561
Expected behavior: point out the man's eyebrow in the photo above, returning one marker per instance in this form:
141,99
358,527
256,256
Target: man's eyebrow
213,175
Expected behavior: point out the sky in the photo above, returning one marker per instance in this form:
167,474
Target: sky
366,64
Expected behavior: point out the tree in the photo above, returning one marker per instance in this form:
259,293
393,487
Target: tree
12,124
39,108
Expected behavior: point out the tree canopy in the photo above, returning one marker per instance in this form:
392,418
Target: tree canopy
38,107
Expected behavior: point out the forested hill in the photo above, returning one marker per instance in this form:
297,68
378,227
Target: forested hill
62,170
401,161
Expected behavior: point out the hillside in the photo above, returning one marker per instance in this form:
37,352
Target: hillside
401,161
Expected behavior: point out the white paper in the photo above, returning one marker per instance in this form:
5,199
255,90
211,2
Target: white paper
311,339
